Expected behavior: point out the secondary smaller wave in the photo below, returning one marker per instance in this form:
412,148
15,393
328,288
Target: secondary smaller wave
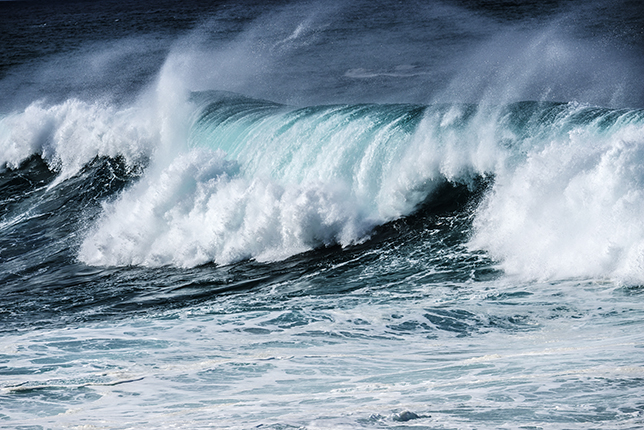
69,135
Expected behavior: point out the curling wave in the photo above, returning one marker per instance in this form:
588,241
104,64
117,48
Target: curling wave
252,179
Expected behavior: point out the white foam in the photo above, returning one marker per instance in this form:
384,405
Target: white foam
572,209
198,210
70,134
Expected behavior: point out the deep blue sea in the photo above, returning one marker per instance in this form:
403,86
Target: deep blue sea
322,215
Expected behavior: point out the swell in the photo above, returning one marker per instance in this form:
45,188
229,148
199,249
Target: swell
40,220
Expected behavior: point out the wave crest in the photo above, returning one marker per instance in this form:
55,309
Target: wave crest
255,179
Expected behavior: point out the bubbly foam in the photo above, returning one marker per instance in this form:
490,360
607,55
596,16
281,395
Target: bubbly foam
573,207
69,135
200,210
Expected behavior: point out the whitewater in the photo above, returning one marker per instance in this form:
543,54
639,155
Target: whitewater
296,215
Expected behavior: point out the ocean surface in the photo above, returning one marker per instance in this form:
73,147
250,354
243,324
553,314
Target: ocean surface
322,215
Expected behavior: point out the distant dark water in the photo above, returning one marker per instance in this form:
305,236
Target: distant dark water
303,215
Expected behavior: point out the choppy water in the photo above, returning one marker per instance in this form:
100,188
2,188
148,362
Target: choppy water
301,215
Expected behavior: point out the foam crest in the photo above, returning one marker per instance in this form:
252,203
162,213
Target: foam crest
69,135
200,210
573,207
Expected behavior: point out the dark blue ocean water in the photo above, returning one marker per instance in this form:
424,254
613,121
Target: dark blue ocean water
321,215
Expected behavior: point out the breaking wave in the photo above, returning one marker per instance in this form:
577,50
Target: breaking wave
231,178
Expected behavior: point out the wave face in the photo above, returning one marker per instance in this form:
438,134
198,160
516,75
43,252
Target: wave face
265,181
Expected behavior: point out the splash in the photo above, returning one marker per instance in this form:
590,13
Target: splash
573,207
